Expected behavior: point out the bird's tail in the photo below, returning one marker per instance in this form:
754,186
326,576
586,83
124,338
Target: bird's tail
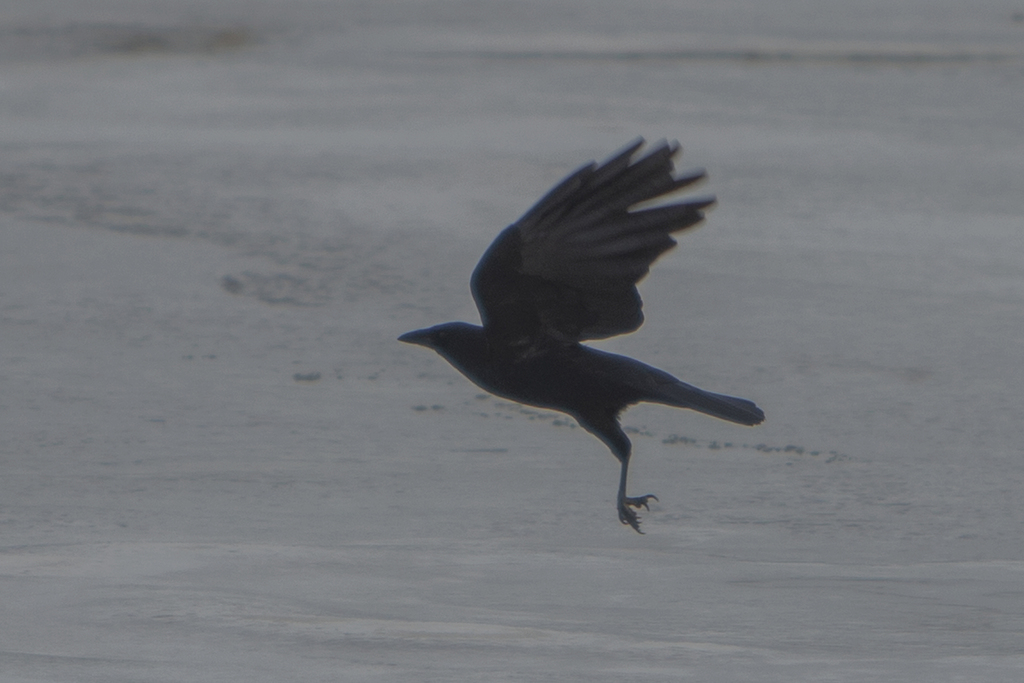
683,395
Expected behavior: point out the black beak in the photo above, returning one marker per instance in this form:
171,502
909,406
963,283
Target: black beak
420,337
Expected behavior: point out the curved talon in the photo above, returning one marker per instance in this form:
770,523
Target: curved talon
641,501
627,516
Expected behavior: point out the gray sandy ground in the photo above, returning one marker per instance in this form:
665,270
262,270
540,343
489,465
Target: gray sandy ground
217,464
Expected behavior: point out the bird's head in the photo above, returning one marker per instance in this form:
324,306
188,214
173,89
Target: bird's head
451,340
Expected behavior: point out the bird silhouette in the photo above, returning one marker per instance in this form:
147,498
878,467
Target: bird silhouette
566,272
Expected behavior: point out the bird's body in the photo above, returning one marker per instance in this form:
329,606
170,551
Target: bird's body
566,272
577,379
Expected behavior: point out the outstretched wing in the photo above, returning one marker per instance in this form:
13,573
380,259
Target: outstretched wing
568,268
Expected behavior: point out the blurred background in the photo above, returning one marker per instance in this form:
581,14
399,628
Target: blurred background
216,462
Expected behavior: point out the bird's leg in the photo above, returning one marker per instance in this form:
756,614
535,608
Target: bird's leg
606,427
626,515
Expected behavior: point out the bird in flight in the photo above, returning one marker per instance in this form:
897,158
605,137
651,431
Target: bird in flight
566,272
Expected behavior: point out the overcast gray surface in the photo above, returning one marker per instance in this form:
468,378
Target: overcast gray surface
206,205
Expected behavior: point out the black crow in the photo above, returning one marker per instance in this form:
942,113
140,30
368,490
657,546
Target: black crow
566,272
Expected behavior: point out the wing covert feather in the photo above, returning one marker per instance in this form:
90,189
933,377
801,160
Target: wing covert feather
568,268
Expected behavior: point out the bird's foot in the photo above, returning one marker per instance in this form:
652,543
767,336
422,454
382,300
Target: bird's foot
627,516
